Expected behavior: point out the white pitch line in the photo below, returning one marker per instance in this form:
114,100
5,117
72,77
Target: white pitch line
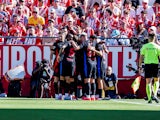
137,103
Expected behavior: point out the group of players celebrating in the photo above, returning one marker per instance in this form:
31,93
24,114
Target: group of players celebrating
79,57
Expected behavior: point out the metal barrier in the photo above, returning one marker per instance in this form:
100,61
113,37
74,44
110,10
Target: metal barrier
108,41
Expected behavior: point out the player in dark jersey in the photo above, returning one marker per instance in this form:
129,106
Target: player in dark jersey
57,65
88,51
101,66
68,66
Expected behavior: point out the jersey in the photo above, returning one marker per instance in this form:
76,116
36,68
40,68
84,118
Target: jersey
69,52
90,54
56,48
151,52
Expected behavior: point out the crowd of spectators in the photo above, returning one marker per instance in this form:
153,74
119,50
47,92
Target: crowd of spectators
40,21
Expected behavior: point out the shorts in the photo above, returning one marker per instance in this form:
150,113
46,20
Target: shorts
101,69
151,70
68,68
90,69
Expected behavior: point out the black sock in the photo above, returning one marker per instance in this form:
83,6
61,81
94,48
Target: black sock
87,88
67,87
100,93
93,88
72,87
62,85
56,87
83,89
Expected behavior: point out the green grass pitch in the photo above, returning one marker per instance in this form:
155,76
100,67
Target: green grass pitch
50,109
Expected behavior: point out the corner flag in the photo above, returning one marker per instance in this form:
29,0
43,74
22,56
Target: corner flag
136,83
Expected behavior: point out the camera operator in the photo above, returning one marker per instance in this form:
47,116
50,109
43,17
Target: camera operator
45,77
35,78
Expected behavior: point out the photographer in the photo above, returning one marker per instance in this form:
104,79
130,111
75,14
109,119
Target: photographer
35,78
45,77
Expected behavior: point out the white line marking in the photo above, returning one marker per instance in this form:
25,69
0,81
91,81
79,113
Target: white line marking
137,103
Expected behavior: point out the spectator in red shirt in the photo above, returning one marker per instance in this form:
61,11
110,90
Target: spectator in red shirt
15,39
16,23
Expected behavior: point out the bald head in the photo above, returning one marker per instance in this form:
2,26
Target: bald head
109,70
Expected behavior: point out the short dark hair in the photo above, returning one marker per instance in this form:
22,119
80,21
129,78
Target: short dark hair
111,1
127,2
109,11
151,36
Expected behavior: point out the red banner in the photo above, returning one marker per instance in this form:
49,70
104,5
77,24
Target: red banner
12,56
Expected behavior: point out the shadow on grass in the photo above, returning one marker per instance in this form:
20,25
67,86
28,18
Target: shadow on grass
61,114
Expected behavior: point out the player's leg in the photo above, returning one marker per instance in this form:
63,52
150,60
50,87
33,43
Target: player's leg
100,87
101,73
87,86
56,79
56,75
155,86
42,91
72,80
148,89
156,83
61,79
155,89
67,88
93,77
